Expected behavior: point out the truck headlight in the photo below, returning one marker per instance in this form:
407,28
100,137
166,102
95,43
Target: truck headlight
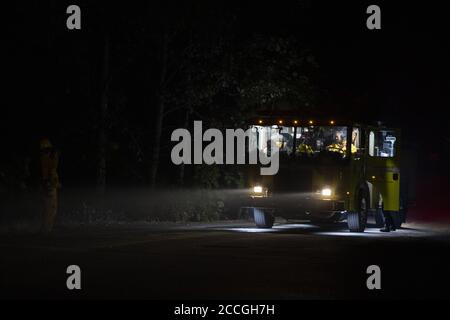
326,192
257,189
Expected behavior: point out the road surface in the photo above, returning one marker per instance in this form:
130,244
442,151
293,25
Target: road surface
226,260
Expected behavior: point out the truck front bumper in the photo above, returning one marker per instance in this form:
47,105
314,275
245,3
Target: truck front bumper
295,206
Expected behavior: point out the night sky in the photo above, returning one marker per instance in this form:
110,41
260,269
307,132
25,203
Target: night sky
398,74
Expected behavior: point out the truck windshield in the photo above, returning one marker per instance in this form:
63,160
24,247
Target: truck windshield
304,141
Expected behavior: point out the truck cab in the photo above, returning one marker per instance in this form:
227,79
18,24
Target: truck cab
330,170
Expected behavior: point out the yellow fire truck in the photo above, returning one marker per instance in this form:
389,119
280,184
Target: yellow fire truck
330,170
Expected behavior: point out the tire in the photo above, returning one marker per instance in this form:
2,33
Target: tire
263,219
356,221
379,218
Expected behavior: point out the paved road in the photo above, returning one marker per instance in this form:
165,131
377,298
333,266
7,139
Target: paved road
229,260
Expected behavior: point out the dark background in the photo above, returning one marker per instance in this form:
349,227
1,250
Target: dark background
98,94
55,78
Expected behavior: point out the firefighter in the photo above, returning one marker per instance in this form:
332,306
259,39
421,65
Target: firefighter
303,148
49,182
389,224
344,147
338,143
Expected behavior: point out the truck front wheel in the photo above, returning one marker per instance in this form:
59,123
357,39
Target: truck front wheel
263,218
356,221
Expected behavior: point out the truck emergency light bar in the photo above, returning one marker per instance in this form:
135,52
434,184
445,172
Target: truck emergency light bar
309,120
295,122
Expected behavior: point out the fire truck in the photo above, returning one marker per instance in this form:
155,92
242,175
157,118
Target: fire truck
330,170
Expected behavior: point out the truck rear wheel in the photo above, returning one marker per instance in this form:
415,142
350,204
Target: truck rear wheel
356,221
263,218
